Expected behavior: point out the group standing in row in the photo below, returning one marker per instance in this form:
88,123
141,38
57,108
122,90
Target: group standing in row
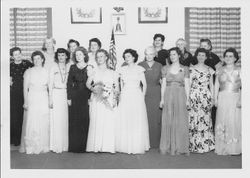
168,101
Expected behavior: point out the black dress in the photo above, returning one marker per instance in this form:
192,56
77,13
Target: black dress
79,94
16,100
162,57
188,59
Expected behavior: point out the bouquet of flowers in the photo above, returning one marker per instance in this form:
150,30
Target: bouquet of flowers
107,94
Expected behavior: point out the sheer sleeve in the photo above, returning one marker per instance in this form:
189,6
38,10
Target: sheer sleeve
211,71
141,69
219,71
186,72
164,71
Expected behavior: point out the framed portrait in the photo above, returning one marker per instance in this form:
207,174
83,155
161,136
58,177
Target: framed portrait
119,23
153,15
85,15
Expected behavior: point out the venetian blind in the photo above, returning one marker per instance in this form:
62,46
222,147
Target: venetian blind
29,27
220,25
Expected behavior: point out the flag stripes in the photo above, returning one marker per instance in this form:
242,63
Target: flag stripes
112,52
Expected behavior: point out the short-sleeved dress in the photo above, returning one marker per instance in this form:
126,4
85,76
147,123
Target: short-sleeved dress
35,131
174,130
59,117
132,135
228,116
152,99
201,134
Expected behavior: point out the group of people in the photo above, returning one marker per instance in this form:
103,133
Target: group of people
70,100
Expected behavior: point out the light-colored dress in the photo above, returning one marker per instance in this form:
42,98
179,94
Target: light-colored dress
59,113
101,135
228,116
174,130
132,133
92,61
35,132
201,135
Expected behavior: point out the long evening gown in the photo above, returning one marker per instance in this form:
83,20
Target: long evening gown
101,136
16,100
228,116
174,131
35,131
132,135
152,99
79,95
201,135
59,113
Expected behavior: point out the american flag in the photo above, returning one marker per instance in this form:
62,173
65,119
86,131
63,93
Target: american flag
112,52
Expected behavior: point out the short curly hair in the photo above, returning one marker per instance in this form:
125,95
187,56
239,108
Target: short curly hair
132,52
232,50
208,41
158,35
38,53
73,41
62,50
12,50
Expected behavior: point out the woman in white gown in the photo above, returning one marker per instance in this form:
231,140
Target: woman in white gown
35,132
132,125
102,105
59,112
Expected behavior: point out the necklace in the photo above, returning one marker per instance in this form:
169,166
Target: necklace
61,74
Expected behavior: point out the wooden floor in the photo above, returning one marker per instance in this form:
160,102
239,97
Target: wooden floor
150,160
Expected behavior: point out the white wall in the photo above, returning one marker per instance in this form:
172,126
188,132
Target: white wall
138,36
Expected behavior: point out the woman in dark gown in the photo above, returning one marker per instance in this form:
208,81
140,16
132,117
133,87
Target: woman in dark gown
17,69
78,95
153,95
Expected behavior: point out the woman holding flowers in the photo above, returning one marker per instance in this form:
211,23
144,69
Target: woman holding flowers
103,83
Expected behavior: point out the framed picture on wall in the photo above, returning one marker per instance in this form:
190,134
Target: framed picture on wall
85,15
153,15
119,23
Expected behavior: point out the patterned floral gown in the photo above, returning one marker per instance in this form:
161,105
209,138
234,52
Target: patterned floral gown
201,138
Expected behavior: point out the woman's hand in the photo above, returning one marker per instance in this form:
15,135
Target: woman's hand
188,104
69,102
215,102
161,104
